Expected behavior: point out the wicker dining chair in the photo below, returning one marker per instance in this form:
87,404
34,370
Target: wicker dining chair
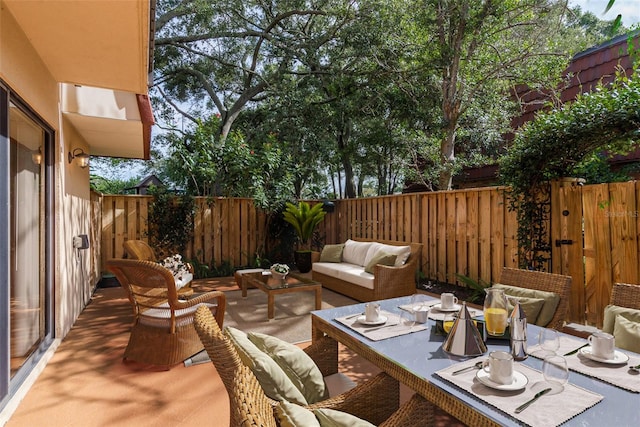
542,281
626,295
376,400
139,249
162,332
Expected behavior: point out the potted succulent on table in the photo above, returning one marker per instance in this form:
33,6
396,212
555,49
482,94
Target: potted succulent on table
304,219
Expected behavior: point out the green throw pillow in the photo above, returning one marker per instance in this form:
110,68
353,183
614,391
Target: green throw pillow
380,258
530,306
274,382
296,364
292,415
551,301
332,418
627,334
610,313
332,253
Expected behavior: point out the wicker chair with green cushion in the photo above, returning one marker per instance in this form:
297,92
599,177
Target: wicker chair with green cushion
626,295
162,332
546,282
622,316
373,401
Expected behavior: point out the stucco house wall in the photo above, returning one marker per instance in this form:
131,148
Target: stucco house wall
25,73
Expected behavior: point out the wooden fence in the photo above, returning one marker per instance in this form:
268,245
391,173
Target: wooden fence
469,232
225,230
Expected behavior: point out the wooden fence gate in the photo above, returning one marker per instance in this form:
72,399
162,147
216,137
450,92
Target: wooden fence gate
594,238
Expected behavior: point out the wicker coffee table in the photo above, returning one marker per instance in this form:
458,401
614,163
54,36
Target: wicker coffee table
272,287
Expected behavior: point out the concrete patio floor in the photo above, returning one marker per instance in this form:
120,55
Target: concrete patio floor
86,382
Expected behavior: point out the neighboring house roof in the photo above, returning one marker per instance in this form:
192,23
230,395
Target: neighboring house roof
587,68
101,52
144,184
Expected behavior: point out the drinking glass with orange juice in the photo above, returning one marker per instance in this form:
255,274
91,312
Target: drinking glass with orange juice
495,311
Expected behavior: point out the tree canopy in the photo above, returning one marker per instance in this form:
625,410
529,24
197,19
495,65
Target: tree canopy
300,98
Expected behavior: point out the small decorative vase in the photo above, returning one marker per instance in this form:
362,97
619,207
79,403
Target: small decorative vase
281,277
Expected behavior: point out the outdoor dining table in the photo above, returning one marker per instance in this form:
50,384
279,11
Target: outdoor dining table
415,359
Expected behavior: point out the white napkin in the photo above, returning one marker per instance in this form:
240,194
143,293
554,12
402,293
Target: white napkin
391,328
617,375
551,409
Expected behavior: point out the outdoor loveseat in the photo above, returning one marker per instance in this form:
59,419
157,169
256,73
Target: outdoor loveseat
369,270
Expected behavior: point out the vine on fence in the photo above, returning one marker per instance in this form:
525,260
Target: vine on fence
553,145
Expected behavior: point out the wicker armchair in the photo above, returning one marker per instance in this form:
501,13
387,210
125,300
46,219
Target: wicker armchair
373,401
139,249
556,283
626,295
162,332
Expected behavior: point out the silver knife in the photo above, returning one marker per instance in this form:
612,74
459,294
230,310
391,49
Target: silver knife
576,350
353,315
529,402
381,327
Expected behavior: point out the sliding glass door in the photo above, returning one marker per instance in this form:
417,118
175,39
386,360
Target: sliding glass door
26,297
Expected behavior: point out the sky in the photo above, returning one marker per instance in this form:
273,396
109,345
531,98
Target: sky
629,9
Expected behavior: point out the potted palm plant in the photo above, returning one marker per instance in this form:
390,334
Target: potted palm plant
304,219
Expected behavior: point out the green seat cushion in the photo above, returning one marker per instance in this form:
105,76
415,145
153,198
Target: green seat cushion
380,258
332,253
548,309
332,418
274,382
296,364
626,334
292,415
530,306
610,313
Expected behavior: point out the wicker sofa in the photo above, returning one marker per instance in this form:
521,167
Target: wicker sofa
349,277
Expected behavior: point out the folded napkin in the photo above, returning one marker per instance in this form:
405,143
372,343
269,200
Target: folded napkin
617,375
436,314
554,408
391,328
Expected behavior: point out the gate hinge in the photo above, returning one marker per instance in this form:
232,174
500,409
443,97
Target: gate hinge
564,242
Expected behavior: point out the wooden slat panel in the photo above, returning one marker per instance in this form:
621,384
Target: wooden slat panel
119,227
597,251
498,241
473,233
484,235
450,226
623,232
460,216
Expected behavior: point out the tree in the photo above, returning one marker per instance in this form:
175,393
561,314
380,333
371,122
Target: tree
228,54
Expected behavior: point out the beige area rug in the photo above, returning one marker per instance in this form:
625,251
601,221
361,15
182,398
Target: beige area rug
292,321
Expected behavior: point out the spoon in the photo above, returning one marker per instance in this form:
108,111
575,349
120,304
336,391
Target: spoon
478,365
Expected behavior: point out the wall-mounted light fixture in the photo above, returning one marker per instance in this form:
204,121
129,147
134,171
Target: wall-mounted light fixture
36,156
83,158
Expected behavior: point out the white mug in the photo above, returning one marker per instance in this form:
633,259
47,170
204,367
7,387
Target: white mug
372,312
448,300
499,365
422,313
602,345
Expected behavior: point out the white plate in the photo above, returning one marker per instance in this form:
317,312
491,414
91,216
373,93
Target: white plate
520,381
381,321
455,307
618,356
